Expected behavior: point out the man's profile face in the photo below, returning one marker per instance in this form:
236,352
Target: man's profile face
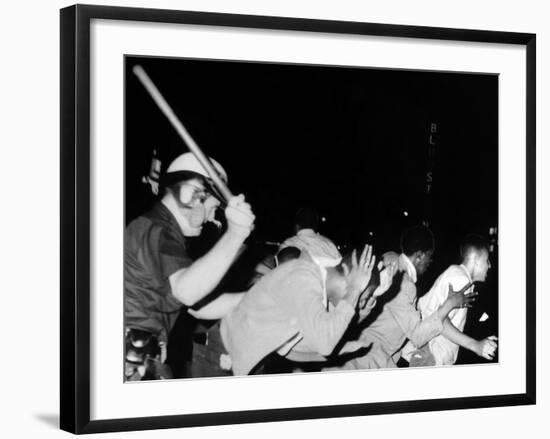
482,266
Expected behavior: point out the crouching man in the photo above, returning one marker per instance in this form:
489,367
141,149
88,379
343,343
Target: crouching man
300,310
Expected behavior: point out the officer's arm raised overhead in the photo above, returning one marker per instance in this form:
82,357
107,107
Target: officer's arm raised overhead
191,284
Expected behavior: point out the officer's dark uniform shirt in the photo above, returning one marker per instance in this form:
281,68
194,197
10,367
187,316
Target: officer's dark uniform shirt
154,249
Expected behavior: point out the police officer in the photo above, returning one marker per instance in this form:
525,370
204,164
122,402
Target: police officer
160,277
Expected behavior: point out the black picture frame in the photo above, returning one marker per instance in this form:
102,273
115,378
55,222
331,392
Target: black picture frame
75,217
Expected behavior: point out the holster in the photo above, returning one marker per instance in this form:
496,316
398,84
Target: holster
143,357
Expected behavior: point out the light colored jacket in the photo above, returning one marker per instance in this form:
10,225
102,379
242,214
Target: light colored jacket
397,321
286,305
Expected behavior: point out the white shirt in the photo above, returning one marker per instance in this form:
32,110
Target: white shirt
444,350
411,271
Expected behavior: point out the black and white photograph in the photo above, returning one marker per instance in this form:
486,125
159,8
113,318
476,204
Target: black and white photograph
296,218
275,219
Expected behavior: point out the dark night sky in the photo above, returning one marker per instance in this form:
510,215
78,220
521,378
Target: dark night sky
352,142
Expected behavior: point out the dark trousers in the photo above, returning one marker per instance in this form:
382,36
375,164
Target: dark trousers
209,355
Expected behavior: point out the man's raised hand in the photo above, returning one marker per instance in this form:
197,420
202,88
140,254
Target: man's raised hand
358,276
460,298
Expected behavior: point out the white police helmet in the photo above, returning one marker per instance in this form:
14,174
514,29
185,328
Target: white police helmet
186,164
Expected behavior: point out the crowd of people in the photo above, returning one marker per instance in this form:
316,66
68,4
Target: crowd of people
307,308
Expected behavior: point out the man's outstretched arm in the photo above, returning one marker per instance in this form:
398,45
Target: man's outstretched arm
484,348
433,325
217,308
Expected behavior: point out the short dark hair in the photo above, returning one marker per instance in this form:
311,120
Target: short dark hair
307,218
417,238
288,254
473,242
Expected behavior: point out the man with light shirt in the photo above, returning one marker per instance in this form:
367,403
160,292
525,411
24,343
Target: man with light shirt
444,348
395,318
